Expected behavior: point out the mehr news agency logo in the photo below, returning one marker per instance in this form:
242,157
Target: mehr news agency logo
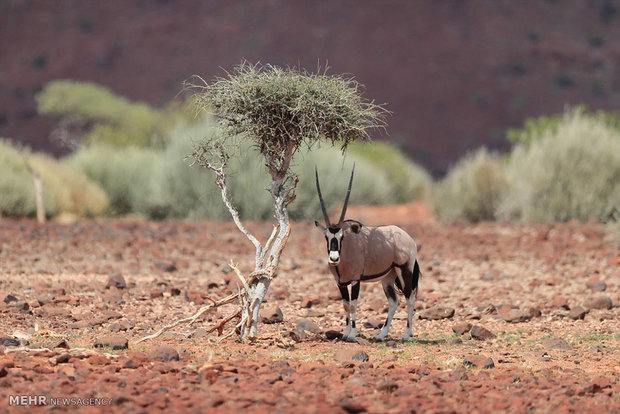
30,400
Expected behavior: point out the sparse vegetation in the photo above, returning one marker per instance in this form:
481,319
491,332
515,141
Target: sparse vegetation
65,190
571,172
473,188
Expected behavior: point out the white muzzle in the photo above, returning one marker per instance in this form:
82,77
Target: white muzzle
334,258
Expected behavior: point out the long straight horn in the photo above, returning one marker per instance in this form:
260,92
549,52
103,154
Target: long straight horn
346,200
318,189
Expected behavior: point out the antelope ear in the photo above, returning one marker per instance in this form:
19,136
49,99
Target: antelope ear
319,225
354,226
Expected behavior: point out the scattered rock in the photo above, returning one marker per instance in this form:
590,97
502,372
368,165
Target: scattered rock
461,327
10,298
330,335
387,386
556,343
577,313
351,354
271,314
6,341
112,341
481,333
309,301
156,293
116,280
559,302
515,316
478,361
373,324
45,298
352,407
596,284
533,311
166,266
309,326
600,302
61,344
164,353
437,313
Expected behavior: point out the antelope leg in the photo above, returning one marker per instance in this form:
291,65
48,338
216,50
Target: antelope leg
388,288
355,291
344,292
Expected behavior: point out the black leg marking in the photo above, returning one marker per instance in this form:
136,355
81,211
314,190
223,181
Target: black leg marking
355,291
344,292
390,292
353,324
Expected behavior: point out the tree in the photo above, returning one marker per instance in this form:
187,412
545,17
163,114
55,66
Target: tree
279,110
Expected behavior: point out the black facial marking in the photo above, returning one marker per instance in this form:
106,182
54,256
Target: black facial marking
333,246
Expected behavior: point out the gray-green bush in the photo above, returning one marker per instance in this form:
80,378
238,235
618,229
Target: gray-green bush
571,172
65,190
127,175
162,184
473,188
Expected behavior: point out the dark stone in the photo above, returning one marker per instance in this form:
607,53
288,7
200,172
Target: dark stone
116,280
307,325
600,302
6,341
271,314
164,353
488,364
351,354
481,333
112,341
577,313
333,335
387,386
556,343
437,313
352,407
10,298
461,328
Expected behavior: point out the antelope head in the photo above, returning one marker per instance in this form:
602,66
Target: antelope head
334,233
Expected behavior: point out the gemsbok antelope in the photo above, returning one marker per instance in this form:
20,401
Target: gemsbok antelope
358,253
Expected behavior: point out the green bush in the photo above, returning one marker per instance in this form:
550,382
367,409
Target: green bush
536,128
162,184
473,188
116,120
571,172
127,175
192,193
64,190
409,181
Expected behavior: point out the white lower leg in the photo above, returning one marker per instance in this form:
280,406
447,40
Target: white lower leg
410,303
347,311
386,328
353,310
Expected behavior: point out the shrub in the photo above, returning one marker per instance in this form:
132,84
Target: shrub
571,172
473,188
192,193
127,175
64,189
116,120
409,181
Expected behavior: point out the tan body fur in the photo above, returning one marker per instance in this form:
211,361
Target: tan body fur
373,251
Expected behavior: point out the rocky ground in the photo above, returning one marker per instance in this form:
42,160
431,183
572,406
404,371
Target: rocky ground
510,318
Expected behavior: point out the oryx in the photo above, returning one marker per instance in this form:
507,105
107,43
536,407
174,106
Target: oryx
358,253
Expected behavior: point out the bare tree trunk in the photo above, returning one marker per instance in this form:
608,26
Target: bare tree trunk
38,190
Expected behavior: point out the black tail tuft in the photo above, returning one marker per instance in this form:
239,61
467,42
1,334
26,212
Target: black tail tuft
416,275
